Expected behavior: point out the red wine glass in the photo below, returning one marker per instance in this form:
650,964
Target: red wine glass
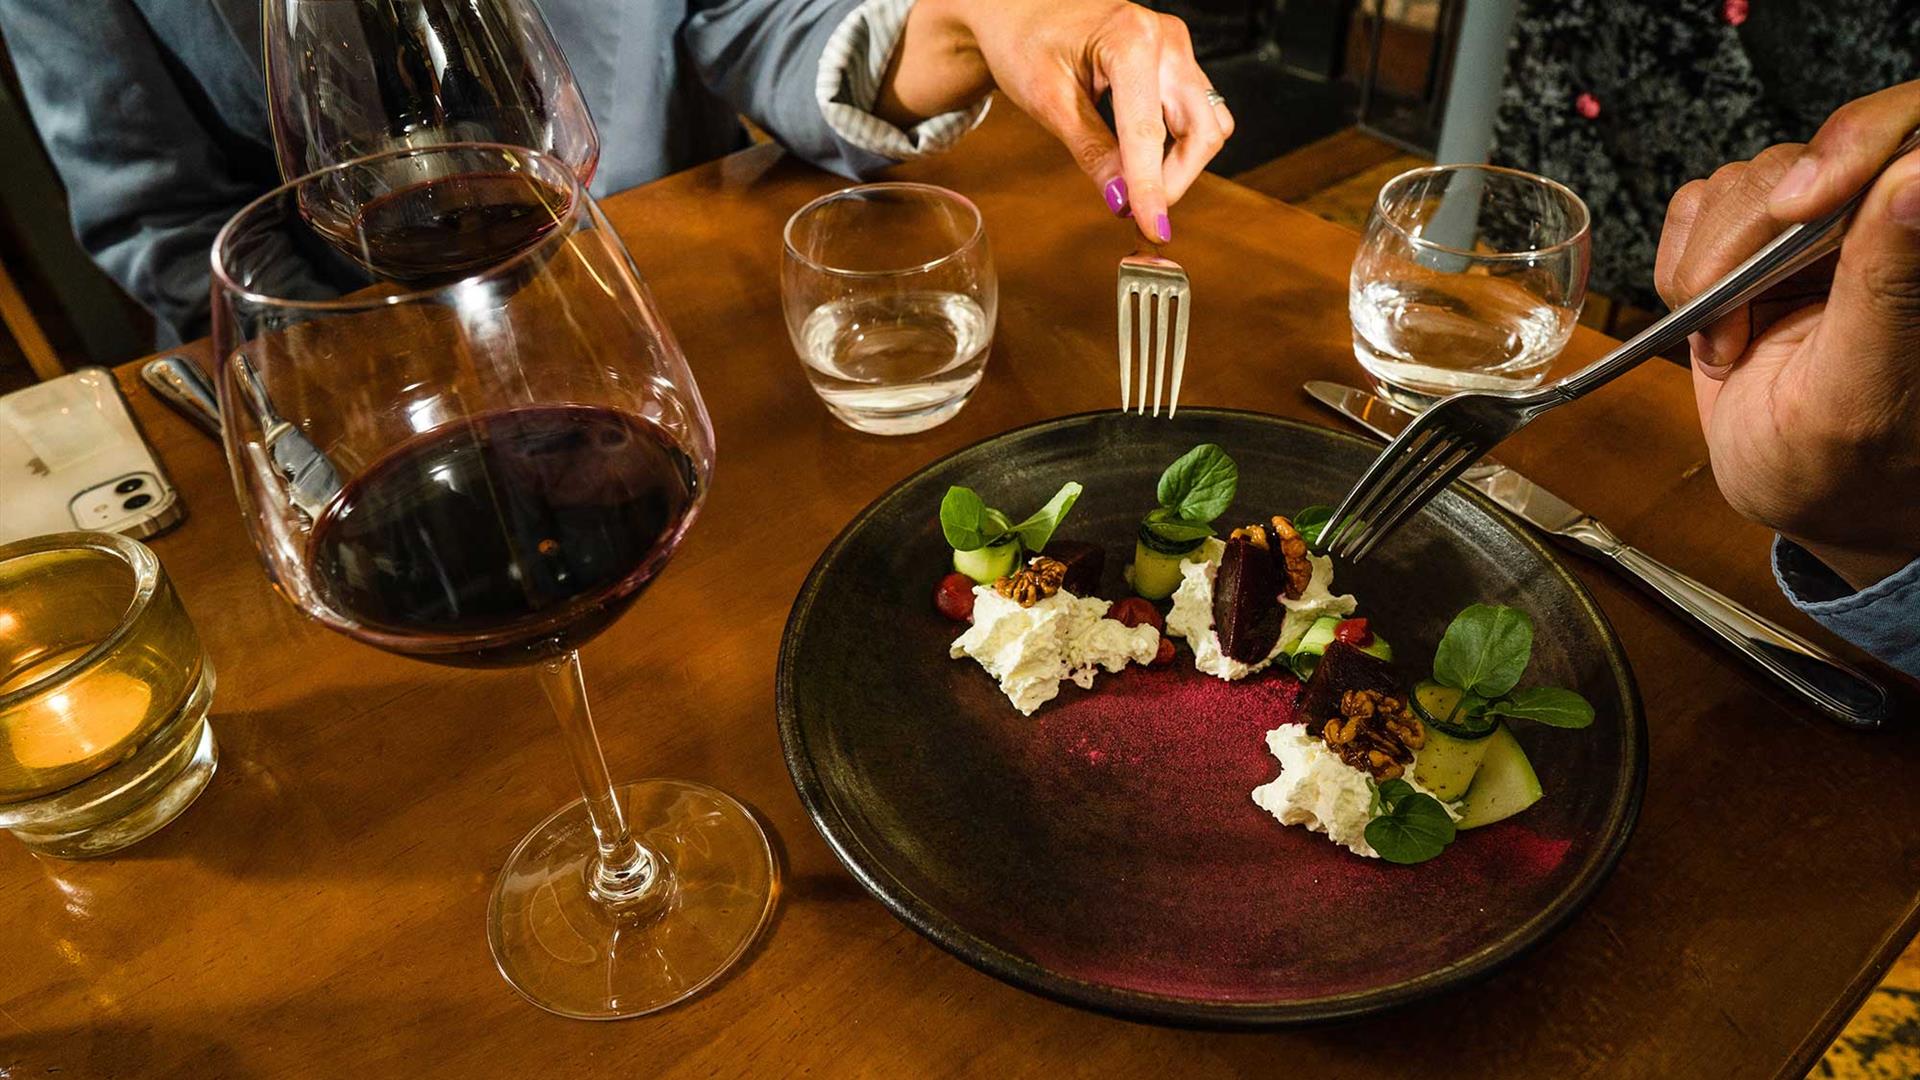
349,78
487,473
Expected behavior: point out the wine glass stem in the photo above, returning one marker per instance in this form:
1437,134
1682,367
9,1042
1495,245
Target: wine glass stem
626,873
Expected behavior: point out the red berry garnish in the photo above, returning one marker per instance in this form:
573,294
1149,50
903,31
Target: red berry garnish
954,597
1734,12
1354,632
1165,655
1587,106
1137,611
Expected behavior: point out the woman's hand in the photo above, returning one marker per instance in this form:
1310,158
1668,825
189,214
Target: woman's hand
1054,58
1810,398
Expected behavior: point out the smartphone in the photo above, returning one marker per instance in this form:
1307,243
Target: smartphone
71,457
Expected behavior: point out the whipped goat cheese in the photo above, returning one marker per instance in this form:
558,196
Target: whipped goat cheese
1316,789
1032,650
1192,614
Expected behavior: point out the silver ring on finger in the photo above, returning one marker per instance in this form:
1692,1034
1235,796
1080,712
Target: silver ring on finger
1215,97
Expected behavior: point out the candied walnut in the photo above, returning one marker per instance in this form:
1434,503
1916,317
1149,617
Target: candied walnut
1040,579
1051,573
1293,549
1253,534
1375,733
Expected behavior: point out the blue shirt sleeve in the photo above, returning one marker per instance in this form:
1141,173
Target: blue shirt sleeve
1883,618
763,57
147,183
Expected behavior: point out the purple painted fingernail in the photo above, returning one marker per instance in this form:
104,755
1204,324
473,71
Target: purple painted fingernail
1116,193
1165,230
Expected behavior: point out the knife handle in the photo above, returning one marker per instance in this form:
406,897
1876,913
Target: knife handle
179,382
1829,683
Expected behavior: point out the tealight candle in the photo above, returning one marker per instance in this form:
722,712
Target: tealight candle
93,715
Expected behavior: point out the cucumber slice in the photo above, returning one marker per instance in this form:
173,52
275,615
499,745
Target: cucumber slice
1318,636
1378,647
1312,645
1504,786
988,564
1156,574
1437,705
1446,766
1153,541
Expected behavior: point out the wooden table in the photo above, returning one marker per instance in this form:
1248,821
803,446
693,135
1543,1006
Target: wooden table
320,911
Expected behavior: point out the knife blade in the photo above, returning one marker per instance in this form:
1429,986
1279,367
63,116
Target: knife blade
1841,692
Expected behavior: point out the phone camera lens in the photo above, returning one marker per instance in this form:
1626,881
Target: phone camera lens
131,484
136,502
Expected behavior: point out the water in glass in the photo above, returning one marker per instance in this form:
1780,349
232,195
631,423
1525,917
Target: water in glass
1444,333
907,358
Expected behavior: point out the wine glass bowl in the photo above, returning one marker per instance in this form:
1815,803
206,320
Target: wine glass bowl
502,381
351,78
486,472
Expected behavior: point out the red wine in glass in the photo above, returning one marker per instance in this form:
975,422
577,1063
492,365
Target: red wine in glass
506,537
445,229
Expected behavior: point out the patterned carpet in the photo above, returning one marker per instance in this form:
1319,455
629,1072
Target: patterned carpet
1883,1040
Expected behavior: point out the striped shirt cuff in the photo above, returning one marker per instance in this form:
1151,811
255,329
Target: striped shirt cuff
855,60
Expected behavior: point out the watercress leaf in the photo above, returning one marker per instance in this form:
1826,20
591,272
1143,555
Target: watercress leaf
1485,650
1415,830
1393,791
1038,529
1311,521
1549,705
1200,486
963,519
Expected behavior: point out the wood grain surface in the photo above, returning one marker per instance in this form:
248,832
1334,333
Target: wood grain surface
320,911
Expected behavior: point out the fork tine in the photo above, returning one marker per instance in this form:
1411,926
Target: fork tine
1149,306
1418,465
1162,307
1179,351
1349,517
1126,342
1443,472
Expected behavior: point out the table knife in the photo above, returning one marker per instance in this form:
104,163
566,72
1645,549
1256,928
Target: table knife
180,382
1839,691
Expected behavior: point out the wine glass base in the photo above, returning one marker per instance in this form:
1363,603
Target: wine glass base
567,953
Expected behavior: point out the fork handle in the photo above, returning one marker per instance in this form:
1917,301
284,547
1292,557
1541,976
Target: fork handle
1786,255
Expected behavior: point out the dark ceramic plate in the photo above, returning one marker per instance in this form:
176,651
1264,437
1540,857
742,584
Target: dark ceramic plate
1105,851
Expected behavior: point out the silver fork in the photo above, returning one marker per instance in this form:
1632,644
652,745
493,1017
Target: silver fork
1456,432
1160,287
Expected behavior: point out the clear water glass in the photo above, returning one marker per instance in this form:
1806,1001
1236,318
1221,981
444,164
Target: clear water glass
1469,277
890,299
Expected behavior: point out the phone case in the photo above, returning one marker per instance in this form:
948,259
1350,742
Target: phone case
71,457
